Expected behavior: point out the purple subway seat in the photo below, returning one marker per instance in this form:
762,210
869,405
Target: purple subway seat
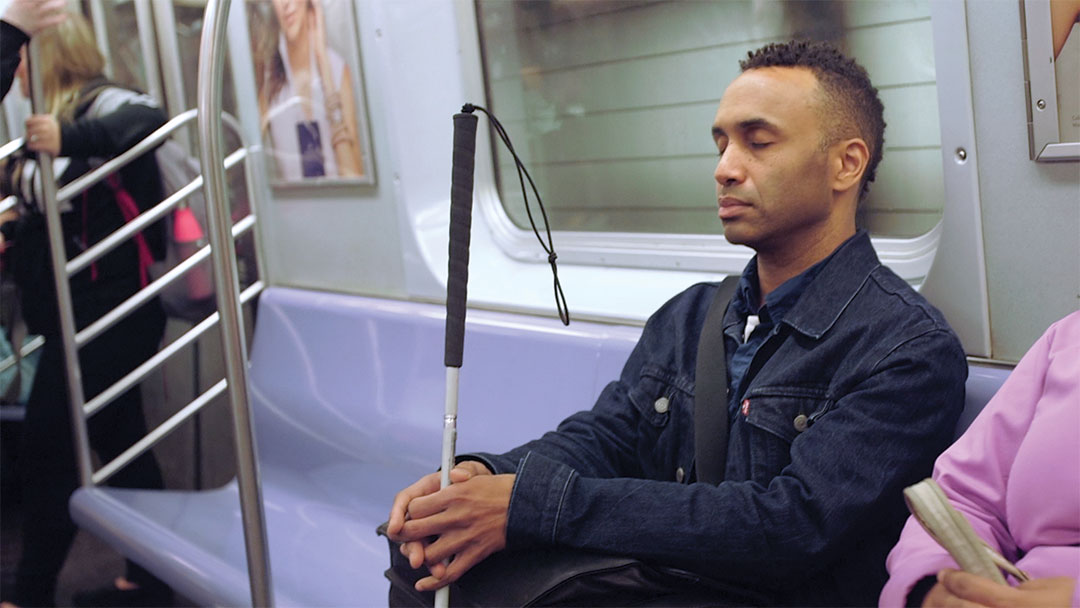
347,397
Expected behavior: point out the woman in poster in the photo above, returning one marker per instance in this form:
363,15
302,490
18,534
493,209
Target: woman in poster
305,92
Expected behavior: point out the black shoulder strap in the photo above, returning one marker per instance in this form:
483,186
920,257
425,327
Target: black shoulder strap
710,390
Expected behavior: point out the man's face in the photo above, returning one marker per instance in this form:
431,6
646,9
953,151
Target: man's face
771,180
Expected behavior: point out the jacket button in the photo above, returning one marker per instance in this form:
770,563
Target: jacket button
801,422
661,405
680,474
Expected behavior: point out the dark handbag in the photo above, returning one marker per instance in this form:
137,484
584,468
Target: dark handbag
553,576
556,576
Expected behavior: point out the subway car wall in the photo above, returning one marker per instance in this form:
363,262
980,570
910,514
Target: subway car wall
1025,216
1015,268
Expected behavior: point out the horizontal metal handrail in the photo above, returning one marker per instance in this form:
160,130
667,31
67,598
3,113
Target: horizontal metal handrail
159,433
136,375
10,147
85,181
27,348
143,220
146,293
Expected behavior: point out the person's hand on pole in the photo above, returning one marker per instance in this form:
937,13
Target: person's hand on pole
43,134
32,16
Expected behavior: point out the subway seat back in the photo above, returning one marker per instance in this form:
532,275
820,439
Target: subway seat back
347,396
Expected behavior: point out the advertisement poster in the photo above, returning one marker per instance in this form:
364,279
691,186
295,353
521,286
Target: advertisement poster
311,104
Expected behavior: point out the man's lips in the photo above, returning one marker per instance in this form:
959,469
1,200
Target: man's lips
731,207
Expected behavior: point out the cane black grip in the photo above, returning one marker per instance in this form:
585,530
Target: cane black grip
461,191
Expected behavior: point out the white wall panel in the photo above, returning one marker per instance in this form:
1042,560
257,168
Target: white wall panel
1031,211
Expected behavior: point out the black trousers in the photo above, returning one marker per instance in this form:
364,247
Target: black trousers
49,471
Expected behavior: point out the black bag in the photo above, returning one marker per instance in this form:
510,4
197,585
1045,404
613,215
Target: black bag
552,576
555,576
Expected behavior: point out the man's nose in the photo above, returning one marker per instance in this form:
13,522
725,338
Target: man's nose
729,169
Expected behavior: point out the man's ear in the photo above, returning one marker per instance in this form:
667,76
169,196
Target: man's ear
848,162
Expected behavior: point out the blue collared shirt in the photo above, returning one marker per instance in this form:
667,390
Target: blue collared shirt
770,314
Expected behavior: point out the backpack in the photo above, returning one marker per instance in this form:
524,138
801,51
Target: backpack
190,298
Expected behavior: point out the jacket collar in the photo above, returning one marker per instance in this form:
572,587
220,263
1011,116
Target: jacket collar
828,294
835,287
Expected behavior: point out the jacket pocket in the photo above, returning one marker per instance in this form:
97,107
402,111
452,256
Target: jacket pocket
656,394
665,406
775,417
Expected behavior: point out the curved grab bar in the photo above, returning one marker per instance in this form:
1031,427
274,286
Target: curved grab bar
229,298
211,75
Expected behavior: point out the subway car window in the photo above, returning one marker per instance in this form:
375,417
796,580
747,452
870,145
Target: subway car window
609,104
126,55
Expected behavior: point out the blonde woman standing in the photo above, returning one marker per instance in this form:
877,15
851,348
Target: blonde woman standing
89,120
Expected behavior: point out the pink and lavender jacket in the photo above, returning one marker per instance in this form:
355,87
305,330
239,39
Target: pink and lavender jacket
1015,473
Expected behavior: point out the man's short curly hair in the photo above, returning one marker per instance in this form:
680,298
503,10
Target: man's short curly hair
850,108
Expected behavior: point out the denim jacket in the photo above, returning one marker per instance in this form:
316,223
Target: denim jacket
850,399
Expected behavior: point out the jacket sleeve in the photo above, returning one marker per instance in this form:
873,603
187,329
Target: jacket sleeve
974,473
127,118
743,530
11,40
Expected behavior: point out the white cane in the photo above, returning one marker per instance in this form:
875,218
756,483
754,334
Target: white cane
461,189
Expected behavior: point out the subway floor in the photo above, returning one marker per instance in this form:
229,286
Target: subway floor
90,564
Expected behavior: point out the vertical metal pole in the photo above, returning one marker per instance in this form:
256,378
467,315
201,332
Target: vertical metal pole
211,145
144,20
60,277
171,69
101,32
